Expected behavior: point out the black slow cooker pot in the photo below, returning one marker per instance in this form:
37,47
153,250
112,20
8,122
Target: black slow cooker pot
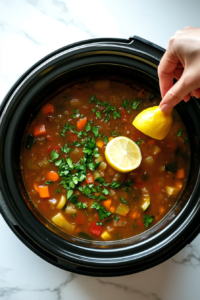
136,59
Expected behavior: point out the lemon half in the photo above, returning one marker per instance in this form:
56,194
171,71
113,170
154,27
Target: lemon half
153,122
123,154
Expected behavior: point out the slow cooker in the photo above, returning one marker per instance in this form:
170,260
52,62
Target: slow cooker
137,59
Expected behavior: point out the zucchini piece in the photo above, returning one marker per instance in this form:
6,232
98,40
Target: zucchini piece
145,205
62,202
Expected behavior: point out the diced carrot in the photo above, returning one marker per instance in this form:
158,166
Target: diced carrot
135,214
107,204
112,209
179,184
151,142
110,138
180,174
35,187
43,191
90,178
77,230
161,210
141,93
50,138
100,143
39,130
48,108
52,176
81,124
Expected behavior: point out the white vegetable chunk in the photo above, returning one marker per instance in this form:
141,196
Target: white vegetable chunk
61,202
60,221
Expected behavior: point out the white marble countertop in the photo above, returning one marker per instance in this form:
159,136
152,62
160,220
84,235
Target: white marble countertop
30,29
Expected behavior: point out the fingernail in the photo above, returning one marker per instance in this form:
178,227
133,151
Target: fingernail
165,107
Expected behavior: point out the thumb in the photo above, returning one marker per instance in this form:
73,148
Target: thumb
186,84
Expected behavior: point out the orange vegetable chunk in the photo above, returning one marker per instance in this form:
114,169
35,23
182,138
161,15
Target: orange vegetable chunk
81,124
180,174
52,176
89,179
48,108
39,130
107,204
43,191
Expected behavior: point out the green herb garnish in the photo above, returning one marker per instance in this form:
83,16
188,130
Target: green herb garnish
48,182
147,220
180,132
101,210
124,201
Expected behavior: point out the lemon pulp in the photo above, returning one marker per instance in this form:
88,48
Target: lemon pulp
123,154
153,122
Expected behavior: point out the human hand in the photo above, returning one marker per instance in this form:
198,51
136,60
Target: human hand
180,61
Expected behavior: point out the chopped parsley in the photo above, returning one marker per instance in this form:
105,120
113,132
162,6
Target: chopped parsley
101,210
105,139
116,218
147,220
54,155
81,205
98,114
124,201
95,130
73,216
139,141
99,223
135,104
180,132
65,149
101,181
186,140
88,127
66,128
58,191
48,182
115,185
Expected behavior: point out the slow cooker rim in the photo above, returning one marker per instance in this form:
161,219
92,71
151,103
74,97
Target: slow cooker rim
31,68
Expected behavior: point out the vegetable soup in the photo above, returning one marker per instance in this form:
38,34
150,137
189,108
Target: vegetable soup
68,178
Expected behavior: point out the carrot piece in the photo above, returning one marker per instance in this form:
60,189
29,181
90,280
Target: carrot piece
52,176
90,178
35,187
161,210
112,209
110,138
39,130
180,174
107,203
135,214
100,143
179,184
151,142
48,108
43,191
81,124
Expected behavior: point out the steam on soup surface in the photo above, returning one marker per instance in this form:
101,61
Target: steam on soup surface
68,178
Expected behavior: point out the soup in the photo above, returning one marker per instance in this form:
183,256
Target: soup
66,173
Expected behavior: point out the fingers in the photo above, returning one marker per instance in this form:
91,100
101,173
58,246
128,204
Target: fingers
196,93
166,69
181,90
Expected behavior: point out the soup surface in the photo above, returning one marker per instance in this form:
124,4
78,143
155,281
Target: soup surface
68,178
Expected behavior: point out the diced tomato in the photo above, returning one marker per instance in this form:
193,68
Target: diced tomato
79,219
51,148
95,229
50,138
90,178
157,188
39,130
73,137
139,184
124,115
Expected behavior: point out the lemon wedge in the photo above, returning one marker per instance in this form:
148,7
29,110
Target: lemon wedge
123,154
153,122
